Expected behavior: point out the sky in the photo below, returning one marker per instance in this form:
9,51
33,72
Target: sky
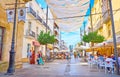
71,38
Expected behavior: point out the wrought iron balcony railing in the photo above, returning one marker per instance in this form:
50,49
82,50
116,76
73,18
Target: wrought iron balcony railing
30,33
30,10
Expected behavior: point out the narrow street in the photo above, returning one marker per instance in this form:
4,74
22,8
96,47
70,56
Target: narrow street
60,68
34,32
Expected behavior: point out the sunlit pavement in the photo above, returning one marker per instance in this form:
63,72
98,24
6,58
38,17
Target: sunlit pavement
60,68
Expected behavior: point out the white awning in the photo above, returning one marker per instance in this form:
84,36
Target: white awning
82,47
109,42
67,13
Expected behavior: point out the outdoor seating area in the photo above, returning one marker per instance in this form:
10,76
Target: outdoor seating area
61,55
106,63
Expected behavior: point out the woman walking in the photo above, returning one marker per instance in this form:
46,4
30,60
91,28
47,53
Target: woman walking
40,58
75,55
32,59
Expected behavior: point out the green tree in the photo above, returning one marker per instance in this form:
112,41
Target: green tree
93,37
46,38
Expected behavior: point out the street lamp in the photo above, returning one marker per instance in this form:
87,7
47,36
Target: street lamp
11,68
46,30
114,36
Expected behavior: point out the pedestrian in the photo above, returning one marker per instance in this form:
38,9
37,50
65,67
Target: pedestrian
48,54
29,54
32,60
38,57
78,55
41,58
113,57
109,59
67,55
75,55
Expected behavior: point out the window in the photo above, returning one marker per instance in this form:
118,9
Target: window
1,41
37,32
28,48
109,30
29,26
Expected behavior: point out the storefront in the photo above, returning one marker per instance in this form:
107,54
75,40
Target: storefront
36,45
106,47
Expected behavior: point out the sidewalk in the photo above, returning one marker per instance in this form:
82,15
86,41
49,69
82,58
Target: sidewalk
60,68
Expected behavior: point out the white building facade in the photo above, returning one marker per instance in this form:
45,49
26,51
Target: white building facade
36,22
57,37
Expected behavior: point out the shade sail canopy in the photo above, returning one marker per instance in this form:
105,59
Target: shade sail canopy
67,13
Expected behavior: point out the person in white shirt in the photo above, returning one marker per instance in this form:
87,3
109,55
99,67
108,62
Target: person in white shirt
109,59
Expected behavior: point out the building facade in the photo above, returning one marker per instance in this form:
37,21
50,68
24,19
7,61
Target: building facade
63,46
6,30
57,37
102,24
36,22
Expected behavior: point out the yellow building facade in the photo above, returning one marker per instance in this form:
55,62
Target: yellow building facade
102,24
6,30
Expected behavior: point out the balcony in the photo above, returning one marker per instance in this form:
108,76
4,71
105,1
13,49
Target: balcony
39,19
31,11
105,11
56,46
106,16
57,38
45,25
30,34
98,24
56,31
36,36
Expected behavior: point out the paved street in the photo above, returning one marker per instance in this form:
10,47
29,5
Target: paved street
60,68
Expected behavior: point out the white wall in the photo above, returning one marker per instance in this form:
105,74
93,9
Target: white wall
35,23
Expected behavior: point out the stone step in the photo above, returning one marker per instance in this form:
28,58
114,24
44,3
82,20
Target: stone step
3,66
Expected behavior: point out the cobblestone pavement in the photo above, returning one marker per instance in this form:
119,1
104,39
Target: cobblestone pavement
60,68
